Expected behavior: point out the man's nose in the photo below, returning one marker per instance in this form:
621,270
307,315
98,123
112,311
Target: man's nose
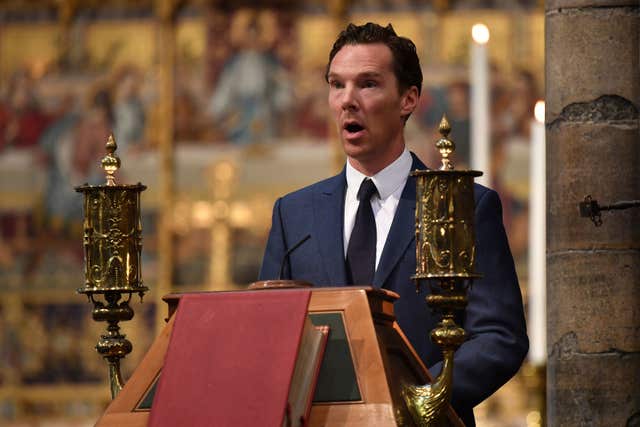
349,98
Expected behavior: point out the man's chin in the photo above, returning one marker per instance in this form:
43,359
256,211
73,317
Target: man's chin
354,149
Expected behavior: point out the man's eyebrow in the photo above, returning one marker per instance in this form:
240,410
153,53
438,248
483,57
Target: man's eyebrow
369,74
362,75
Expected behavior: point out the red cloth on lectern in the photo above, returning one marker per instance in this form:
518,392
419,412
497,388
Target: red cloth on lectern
230,359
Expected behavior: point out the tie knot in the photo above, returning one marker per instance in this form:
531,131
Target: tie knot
367,189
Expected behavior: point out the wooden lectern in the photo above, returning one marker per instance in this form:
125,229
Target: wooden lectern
366,362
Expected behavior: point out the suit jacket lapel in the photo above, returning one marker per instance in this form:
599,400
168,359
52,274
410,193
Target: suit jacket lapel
328,223
402,231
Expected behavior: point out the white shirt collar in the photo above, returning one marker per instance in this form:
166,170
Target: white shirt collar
387,181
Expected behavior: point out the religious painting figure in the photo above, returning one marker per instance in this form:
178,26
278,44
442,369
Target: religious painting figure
75,144
128,109
253,88
22,120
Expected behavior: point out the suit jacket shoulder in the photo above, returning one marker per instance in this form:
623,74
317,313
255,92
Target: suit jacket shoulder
305,194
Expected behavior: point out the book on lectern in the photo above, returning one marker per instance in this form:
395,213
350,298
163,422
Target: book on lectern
240,359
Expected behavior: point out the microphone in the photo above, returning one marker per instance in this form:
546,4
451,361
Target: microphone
286,255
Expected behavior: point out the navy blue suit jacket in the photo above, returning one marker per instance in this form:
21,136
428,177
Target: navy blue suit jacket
494,319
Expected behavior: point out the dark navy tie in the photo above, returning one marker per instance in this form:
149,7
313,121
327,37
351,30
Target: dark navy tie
361,253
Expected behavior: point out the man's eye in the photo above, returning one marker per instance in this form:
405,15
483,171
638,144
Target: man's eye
370,83
335,84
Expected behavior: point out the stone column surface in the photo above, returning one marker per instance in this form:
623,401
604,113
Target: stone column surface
593,273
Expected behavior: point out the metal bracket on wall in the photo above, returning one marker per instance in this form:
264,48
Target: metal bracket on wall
590,208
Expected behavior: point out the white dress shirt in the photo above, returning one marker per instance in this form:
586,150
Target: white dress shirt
390,182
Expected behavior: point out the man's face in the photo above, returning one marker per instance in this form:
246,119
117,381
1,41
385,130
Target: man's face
367,106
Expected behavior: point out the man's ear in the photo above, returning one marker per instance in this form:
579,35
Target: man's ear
409,101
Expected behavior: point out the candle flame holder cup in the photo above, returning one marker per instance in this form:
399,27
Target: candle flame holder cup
445,253
112,252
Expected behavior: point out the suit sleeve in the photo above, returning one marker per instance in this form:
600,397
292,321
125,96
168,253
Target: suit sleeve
276,247
494,319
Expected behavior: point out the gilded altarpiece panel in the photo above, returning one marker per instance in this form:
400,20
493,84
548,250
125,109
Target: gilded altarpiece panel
63,90
250,104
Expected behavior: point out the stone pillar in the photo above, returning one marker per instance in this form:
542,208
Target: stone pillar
593,147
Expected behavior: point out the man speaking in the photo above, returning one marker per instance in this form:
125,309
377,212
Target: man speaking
361,222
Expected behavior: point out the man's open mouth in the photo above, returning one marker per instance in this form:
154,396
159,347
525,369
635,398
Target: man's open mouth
353,127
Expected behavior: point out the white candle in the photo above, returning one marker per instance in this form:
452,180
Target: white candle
480,144
537,242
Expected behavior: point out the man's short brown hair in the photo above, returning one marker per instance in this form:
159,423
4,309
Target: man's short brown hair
406,65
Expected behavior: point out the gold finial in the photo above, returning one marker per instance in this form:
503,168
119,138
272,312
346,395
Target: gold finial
111,162
444,144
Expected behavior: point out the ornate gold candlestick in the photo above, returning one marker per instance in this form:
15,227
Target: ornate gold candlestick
112,249
445,251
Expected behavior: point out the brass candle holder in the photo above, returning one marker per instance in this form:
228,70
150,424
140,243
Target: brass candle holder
112,251
445,252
